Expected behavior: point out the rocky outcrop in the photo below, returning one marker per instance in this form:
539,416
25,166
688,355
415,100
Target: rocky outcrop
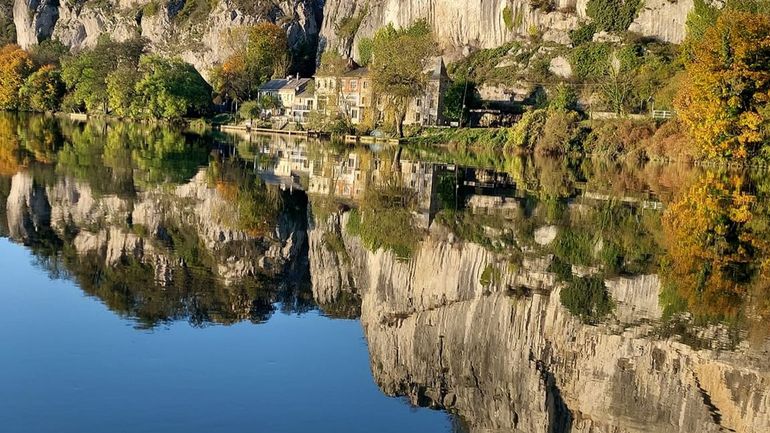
460,25
28,211
171,28
507,359
663,19
196,32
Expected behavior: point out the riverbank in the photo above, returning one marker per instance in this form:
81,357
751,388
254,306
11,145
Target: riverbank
626,139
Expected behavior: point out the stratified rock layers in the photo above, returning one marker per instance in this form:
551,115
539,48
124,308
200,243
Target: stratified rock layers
490,23
201,41
523,363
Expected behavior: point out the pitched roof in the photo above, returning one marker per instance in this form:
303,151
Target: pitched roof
295,83
273,85
358,72
305,94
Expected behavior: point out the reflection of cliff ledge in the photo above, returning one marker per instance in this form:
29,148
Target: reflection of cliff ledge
120,228
440,336
172,252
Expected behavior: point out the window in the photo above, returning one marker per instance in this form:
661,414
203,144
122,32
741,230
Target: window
354,85
365,84
354,114
363,101
416,117
418,102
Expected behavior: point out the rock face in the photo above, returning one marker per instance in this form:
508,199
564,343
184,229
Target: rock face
507,362
663,19
195,32
100,225
460,25
198,38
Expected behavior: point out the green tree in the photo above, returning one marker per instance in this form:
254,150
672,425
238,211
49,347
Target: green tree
171,88
459,93
332,64
612,15
250,110
121,90
399,59
365,46
563,98
85,73
48,52
42,90
587,298
260,52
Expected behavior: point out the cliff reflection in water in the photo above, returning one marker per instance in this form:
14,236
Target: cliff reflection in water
520,294
155,223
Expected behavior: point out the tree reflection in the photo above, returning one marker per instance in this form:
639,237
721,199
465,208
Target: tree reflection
717,245
165,271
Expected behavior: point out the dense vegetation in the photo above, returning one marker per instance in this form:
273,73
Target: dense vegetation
260,52
116,78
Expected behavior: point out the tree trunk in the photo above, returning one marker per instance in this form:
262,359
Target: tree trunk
400,123
397,160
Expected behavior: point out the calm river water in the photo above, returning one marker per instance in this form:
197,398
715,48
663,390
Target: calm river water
156,280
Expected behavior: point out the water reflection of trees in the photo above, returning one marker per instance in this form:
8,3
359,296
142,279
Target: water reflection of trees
717,264
120,160
115,158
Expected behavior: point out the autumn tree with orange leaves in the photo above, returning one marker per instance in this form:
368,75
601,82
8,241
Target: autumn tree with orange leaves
724,100
15,66
717,245
259,53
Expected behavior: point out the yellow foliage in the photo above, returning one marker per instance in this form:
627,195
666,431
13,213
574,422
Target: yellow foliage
10,149
712,247
15,65
723,101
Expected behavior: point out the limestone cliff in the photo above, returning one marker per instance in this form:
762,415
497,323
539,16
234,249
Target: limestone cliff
507,360
460,25
194,29
191,29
